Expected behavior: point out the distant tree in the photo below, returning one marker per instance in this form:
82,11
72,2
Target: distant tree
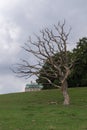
78,76
53,79
46,45
49,69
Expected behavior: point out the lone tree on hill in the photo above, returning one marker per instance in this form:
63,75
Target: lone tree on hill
46,45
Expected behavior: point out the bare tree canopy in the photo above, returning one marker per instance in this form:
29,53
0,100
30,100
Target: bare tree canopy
46,45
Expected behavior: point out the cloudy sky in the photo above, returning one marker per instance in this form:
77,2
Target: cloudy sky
22,18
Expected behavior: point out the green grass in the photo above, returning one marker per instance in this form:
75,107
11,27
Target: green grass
34,111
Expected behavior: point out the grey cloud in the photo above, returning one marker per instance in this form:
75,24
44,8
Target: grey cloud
10,84
29,16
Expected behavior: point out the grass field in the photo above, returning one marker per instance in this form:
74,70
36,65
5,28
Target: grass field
35,111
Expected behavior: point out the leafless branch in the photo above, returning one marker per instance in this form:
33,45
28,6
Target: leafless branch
49,43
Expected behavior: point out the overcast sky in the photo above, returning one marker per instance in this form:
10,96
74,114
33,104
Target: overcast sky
21,18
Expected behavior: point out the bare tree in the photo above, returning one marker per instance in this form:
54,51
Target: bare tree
46,45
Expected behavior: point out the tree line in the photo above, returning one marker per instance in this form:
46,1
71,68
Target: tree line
78,74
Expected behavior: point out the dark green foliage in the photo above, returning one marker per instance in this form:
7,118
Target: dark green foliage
50,69
78,76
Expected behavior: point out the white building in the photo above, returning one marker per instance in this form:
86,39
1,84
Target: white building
33,87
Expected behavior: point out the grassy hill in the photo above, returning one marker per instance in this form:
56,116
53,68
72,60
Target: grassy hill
44,111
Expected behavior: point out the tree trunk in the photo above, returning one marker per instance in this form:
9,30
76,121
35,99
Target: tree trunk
65,93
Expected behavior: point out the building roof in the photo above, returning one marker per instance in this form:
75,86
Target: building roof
34,85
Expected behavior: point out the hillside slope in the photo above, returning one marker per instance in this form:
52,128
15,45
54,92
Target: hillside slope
44,111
